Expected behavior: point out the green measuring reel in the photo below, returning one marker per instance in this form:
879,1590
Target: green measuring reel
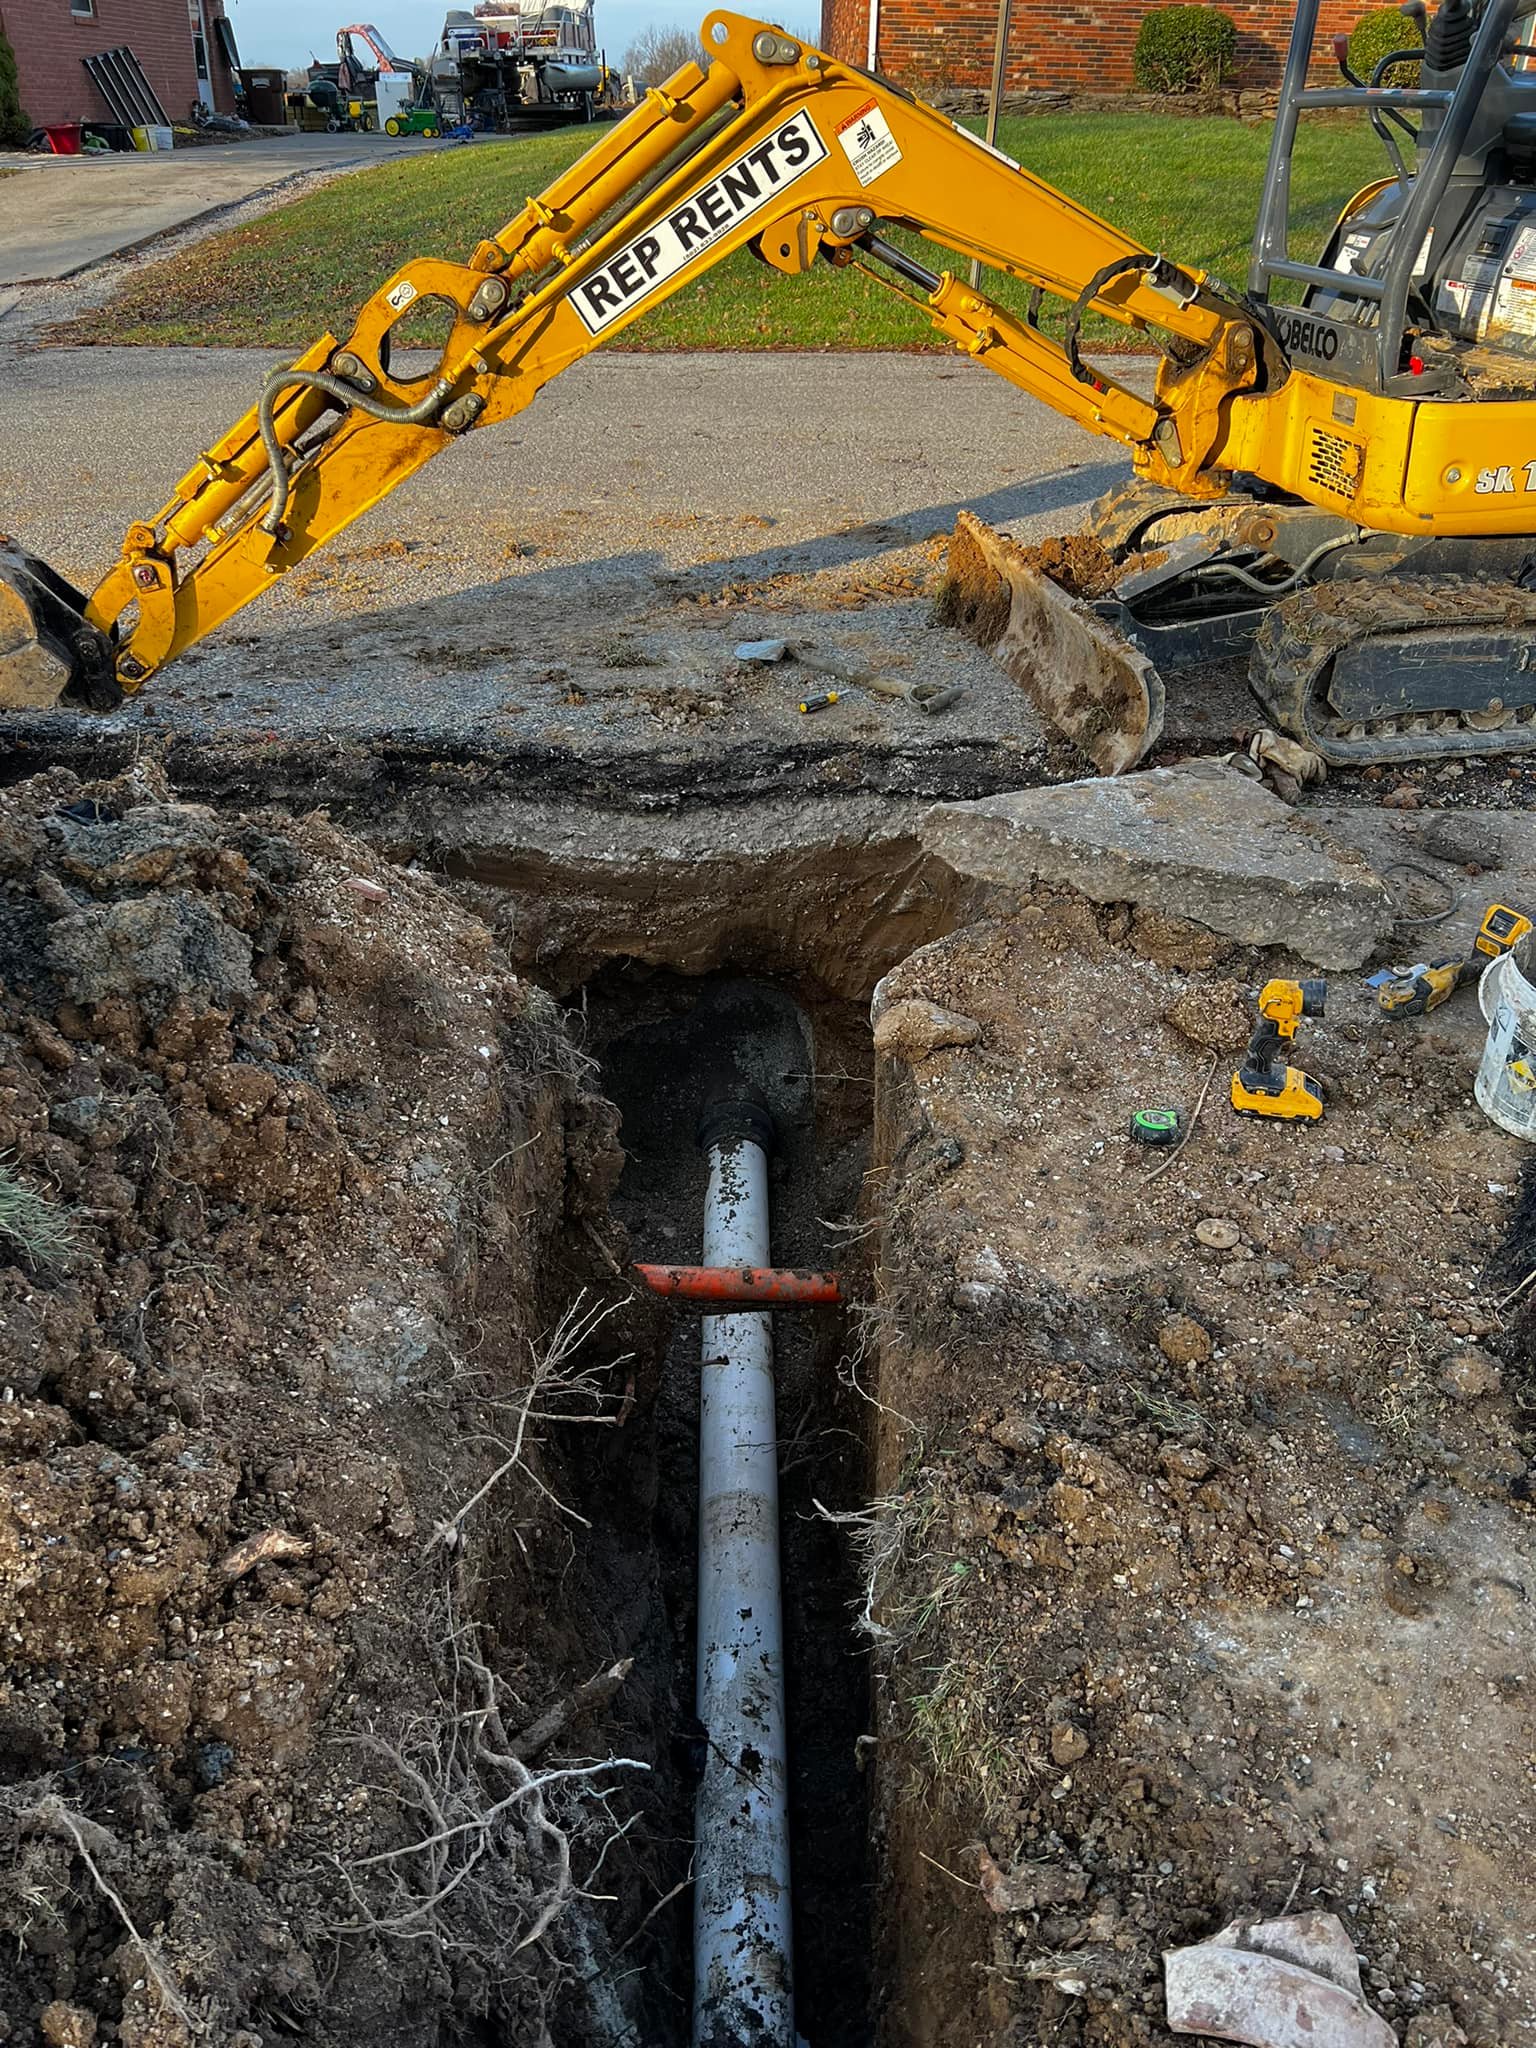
1156,1126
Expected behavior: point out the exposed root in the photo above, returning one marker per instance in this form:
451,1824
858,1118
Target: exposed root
488,1869
575,1706
549,1382
89,1841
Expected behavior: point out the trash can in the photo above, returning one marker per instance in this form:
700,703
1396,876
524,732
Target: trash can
265,97
63,137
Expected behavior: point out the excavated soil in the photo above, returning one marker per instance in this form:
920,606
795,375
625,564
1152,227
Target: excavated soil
328,1177
1078,562
1201,1571
1160,1536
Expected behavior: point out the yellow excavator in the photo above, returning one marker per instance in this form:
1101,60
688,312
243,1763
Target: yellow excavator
1341,486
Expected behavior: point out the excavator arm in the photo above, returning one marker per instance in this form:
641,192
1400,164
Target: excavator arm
775,146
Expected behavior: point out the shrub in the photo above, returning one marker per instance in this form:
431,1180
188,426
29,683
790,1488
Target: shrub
1376,35
1184,49
15,128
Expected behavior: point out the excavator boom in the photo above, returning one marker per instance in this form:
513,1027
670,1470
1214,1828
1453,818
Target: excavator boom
775,147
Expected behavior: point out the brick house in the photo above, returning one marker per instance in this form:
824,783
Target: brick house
179,43
1080,45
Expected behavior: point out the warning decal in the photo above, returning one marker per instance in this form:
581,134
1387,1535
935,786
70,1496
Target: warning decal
868,143
656,256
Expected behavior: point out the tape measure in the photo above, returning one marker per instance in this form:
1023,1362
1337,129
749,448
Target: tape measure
1501,929
1156,1126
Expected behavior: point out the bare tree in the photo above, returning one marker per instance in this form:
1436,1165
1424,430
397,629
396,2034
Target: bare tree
657,52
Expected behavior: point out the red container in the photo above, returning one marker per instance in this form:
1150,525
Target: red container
64,136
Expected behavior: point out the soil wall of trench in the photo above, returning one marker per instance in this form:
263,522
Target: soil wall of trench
345,1524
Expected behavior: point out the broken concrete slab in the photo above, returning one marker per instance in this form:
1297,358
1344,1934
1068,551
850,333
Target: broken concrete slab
1290,1983
1200,841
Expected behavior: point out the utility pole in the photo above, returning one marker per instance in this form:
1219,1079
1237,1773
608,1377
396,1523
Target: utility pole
999,65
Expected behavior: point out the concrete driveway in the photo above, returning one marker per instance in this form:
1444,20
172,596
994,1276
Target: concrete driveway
62,214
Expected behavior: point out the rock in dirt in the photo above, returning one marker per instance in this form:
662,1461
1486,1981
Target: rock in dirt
1470,1375
67,2026
912,1029
1215,1014
1183,1341
1069,1745
1470,842
1198,840
156,947
1217,1233
1274,1984
1437,2029
1029,1886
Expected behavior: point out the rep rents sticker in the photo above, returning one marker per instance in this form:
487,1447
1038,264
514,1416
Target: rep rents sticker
868,143
663,250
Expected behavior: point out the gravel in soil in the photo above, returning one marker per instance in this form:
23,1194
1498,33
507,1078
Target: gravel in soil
1202,1568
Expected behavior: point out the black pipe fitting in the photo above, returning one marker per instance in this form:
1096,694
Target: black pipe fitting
744,1114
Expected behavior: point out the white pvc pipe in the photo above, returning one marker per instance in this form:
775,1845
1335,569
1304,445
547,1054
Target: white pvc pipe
872,54
741,1918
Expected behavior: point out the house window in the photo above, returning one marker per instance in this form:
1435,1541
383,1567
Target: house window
84,9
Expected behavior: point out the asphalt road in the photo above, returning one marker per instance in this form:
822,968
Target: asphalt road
63,214
643,455
578,578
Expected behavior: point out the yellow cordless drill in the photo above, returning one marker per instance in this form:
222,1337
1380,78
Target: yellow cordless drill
1264,1085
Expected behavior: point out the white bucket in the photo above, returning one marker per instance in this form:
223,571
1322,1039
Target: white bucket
1506,1080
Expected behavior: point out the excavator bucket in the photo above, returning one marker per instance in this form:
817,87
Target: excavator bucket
1083,677
49,652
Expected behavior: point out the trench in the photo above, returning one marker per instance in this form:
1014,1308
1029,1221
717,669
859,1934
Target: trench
678,994
667,1044
689,950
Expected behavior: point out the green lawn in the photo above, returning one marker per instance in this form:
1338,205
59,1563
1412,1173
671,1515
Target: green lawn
1186,186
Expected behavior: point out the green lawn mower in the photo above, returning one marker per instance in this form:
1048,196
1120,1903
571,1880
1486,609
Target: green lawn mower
417,121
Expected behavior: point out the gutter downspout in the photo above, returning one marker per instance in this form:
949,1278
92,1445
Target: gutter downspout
871,61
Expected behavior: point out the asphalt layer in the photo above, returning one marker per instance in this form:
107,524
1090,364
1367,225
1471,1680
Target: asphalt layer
556,583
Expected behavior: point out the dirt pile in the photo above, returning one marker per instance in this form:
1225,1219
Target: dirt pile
1204,1553
293,1169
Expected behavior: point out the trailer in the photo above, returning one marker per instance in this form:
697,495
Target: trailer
510,61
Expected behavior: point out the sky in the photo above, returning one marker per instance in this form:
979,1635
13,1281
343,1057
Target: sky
289,32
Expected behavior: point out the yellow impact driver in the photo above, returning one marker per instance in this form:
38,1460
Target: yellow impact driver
1264,1085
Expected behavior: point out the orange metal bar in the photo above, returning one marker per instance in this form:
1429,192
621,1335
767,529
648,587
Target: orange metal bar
779,1286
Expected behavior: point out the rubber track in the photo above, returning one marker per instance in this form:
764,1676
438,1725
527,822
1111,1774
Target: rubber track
1302,634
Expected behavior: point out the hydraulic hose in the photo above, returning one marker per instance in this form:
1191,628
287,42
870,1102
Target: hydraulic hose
1084,300
1284,584
281,380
